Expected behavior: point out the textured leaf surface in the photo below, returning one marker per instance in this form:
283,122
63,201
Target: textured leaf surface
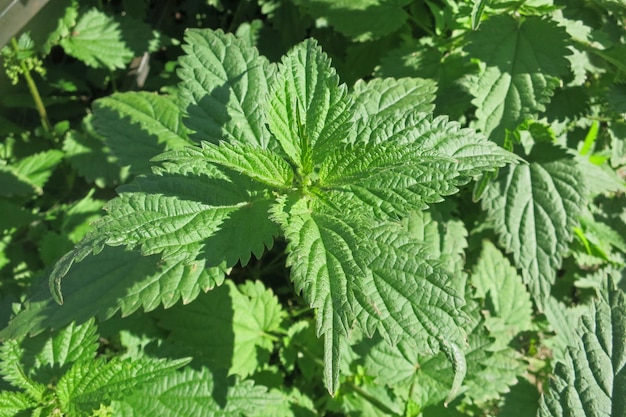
138,126
408,162
97,41
90,157
12,371
496,280
308,110
37,168
322,260
441,234
118,280
72,344
408,295
534,208
227,328
12,403
261,165
524,60
191,393
592,379
223,88
88,384
360,19
384,96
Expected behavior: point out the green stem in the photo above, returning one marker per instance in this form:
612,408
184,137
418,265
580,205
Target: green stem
43,115
371,399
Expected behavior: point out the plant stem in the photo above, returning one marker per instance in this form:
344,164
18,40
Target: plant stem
43,115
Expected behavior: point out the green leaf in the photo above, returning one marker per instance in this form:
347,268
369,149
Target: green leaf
524,60
360,19
408,162
88,155
591,381
321,254
192,393
87,385
386,96
97,41
119,281
308,109
138,126
261,165
12,403
12,185
73,343
37,168
534,208
224,83
11,369
495,280
228,328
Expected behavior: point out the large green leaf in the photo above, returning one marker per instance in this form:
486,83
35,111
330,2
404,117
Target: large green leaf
360,19
261,165
384,96
591,381
407,162
523,62
174,212
223,89
534,208
322,259
89,384
118,280
138,126
192,393
227,329
97,41
497,281
308,109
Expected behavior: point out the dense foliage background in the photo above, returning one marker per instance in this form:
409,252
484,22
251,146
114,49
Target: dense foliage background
532,253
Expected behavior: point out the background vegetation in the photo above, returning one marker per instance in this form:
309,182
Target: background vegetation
535,251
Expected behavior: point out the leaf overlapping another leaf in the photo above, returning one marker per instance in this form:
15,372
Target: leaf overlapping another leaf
285,158
524,59
534,208
592,379
224,81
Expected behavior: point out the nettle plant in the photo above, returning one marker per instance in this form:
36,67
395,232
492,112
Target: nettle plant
286,150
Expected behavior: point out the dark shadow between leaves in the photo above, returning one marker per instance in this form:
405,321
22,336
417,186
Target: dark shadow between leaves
202,330
92,288
208,116
128,141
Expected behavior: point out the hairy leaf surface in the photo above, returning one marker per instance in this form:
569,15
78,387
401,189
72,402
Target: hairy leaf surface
308,109
97,41
534,208
224,83
591,381
322,259
88,384
524,60
193,393
139,126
